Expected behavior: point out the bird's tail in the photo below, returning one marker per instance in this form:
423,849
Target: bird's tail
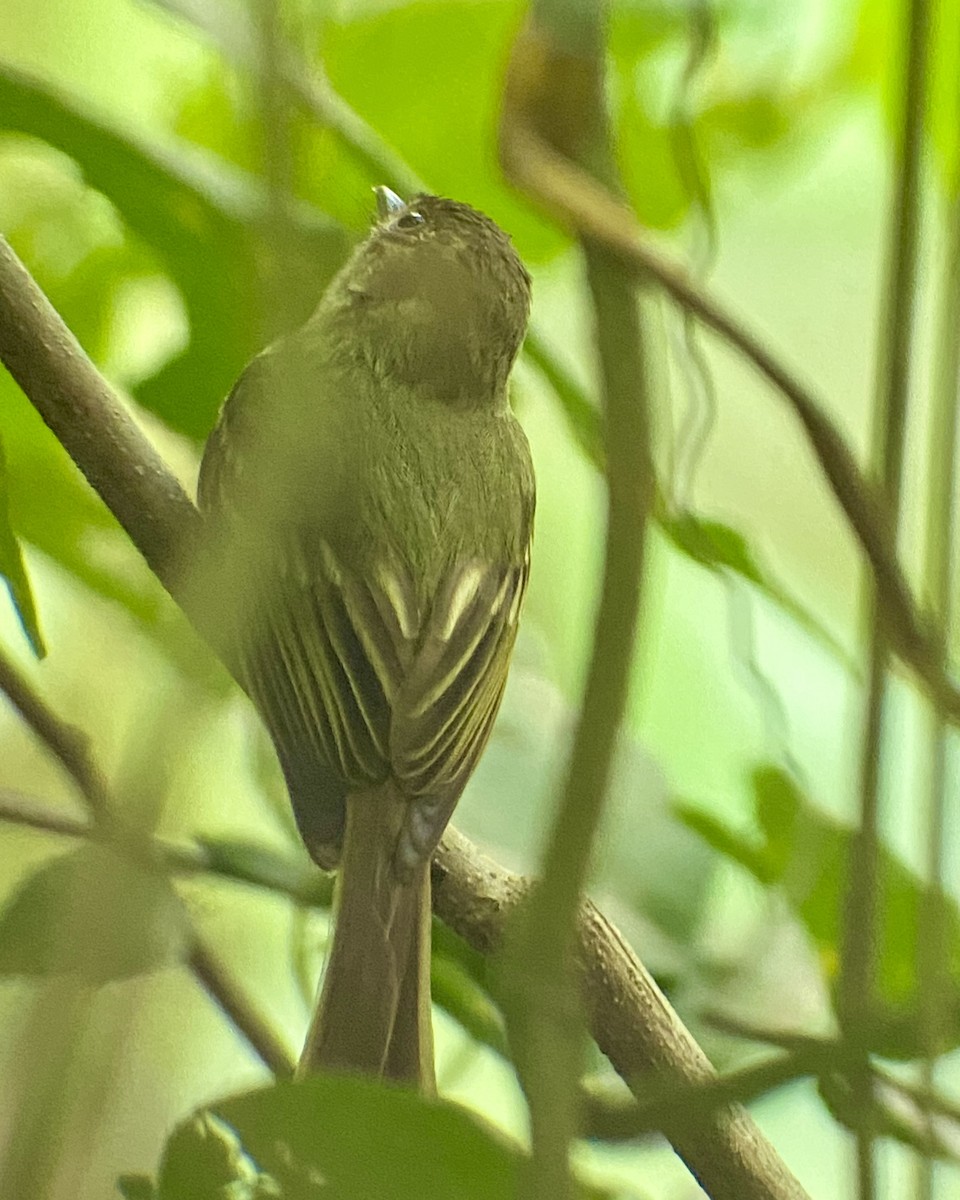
374,1011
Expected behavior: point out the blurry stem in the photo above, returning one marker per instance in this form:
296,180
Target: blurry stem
543,1018
234,1003
596,214
35,1085
939,558
550,1022
20,809
890,411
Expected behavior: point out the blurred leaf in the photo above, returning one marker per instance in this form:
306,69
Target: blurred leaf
649,170
363,1138
13,571
582,416
435,96
93,913
457,992
204,1160
204,220
806,854
136,1187
719,548
727,842
645,148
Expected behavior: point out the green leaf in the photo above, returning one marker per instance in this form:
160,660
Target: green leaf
727,842
203,219
436,98
806,853
93,913
363,1138
13,571
204,1160
639,35
458,993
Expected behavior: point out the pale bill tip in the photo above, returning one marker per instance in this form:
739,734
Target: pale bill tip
388,203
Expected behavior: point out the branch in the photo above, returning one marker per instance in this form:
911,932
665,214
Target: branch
631,1021
65,742
629,1016
595,214
543,1020
233,1001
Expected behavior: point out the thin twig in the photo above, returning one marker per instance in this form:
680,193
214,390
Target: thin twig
858,966
304,885
235,1004
940,560
68,745
17,808
591,211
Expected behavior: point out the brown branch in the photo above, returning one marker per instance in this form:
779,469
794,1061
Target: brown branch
631,1020
629,1016
593,213
69,745
92,424
220,986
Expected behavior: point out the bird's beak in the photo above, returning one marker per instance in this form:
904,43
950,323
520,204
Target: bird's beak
388,203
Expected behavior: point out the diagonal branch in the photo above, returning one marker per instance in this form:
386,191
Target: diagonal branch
66,743
628,1015
595,214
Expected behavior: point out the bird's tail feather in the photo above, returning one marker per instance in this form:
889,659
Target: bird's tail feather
374,1011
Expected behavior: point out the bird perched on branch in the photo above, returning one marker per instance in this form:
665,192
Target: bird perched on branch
373,497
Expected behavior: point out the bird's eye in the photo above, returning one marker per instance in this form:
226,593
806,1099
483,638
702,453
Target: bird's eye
409,220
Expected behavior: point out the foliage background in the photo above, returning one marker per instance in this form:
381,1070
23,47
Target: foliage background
736,678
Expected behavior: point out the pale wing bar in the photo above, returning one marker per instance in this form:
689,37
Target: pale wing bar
344,665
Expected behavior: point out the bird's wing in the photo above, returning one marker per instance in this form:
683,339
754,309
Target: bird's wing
446,708
349,676
356,678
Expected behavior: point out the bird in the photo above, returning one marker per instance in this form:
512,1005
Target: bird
373,497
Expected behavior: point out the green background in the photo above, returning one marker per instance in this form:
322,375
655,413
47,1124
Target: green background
734,668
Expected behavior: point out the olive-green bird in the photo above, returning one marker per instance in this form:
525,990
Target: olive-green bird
373,496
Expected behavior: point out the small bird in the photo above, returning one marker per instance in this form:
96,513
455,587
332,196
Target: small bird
373,495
